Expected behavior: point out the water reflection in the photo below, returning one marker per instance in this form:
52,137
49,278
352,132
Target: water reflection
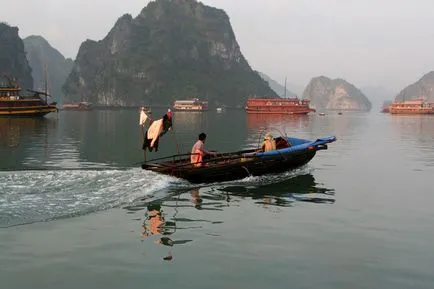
21,137
346,126
190,121
302,188
196,199
155,224
420,125
193,213
418,132
12,130
258,122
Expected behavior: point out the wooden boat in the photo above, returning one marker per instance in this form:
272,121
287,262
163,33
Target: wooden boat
290,153
194,104
416,106
278,106
13,104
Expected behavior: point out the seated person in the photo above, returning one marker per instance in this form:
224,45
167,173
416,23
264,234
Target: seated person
198,151
282,143
269,144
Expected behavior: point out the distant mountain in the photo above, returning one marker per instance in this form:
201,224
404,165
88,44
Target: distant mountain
378,95
40,54
13,61
335,94
424,87
295,88
174,49
277,87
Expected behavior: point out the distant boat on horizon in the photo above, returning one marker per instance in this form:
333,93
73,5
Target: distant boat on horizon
278,106
194,104
415,106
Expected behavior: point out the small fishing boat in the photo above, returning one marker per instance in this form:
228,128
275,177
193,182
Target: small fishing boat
290,153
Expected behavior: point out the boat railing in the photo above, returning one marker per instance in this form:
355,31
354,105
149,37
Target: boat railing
173,157
177,159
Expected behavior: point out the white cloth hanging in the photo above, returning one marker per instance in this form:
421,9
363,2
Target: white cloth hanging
143,118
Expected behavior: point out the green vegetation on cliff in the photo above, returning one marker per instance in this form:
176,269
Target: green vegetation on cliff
173,49
41,54
13,61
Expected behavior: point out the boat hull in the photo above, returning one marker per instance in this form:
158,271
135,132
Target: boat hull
302,112
189,110
242,170
415,106
248,164
27,112
421,111
289,106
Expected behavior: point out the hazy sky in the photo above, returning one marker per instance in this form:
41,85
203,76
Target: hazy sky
367,42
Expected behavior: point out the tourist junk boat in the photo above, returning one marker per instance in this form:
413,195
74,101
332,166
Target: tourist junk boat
12,104
194,104
278,106
416,106
290,153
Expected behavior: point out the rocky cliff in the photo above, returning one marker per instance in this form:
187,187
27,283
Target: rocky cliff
173,49
335,94
41,54
424,87
13,61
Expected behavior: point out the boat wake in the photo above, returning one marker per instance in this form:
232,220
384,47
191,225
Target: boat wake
35,196
45,195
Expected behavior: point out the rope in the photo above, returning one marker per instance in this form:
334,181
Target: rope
176,142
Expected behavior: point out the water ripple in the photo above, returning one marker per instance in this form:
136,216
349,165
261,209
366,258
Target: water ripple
31,196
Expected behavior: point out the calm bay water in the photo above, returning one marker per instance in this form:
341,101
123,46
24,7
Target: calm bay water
76,210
